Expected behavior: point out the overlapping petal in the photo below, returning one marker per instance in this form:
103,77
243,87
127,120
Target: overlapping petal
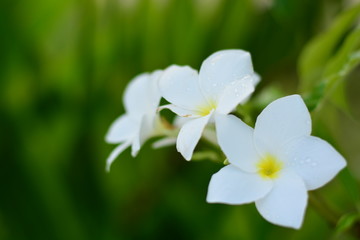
286,202
121,129
142,94
281,121
180,86
221,69
234,93
236,140
190,135
185,113
315,160
232,186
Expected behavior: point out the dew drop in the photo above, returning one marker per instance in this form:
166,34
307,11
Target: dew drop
308,160
314,164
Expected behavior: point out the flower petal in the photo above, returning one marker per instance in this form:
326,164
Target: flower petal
180,86
115,153
286,202
149,127
236,140
282,120
178,121
121,129
230,185
185,113
256,79
142,94
235,93
315,160
190,135
222,68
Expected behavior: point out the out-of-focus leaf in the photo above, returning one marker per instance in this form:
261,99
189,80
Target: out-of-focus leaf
335,71
315,56
347,221
312,100
350,184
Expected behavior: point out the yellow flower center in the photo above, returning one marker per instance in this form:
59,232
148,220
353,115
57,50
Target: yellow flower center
269,167
205,109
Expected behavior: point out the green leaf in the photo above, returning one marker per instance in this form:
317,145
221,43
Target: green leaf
345,60
335,71
347,221
316,54
350,184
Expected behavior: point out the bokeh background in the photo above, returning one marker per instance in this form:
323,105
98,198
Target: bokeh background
64,67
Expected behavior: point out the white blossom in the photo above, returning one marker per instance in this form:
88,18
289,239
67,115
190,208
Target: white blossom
140,122
225,79
274,164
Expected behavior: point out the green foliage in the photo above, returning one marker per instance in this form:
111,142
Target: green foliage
329,58
348,221
317,53
64,67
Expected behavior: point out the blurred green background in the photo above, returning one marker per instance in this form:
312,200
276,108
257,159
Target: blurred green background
64,67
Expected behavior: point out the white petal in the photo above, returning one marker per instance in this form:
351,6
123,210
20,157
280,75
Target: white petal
164,142
115,153
286,202
315,160
180,86
122,129
146,130
232,186
236,140
148,126
256,79
185,113
142,94
180,121
282,120
222,68
135,147
236,92
189,136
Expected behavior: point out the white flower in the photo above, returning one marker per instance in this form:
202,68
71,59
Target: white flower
274,164
226,78
140,122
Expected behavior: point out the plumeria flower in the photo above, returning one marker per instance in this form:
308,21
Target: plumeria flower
274,164
226,78
140,122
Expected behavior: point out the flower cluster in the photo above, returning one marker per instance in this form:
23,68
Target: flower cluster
273,164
